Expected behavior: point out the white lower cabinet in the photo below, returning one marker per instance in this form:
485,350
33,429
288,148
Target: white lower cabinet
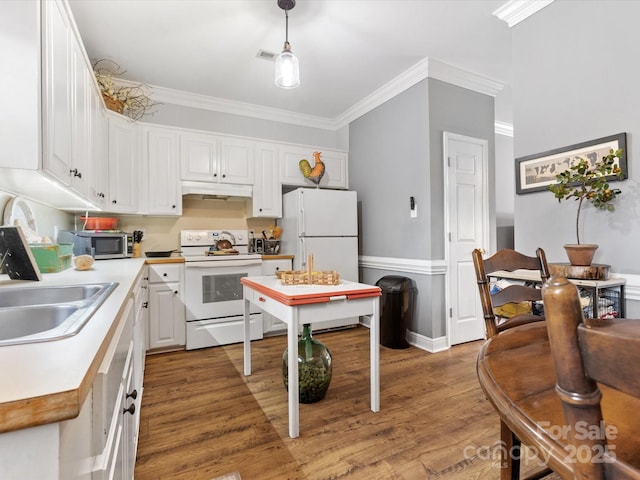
166,308
113,405
271,324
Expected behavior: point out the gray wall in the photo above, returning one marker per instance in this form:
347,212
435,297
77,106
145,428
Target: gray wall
575,79
457,110
227,123
389,162
396,151
505,191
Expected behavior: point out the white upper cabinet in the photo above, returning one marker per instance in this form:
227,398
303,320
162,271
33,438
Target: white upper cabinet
99,164
212,158
124,165
336,169
236,161
199,157
161,175
335,174
58,91
20,80
267,190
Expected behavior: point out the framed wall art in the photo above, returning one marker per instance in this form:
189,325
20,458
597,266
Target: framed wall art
535,173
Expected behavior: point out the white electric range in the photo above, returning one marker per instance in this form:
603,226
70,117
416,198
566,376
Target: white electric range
213,292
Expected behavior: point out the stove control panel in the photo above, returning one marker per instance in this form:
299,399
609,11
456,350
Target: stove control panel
206,238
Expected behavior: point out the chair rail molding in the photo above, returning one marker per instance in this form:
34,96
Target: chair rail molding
408,265
632,286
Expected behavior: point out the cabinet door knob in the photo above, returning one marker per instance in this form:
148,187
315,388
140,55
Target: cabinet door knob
175,291
114,201
145,305
164,274
131,409
76,173
133,394
173,206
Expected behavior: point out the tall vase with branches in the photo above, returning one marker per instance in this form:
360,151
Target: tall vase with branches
587,182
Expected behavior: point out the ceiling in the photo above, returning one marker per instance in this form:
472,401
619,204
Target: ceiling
347,49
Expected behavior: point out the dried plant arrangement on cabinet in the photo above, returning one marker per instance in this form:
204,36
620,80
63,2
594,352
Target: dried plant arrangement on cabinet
132,101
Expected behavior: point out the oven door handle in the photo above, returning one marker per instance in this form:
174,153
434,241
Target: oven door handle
222,263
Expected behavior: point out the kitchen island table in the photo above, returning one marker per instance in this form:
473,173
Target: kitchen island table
296,305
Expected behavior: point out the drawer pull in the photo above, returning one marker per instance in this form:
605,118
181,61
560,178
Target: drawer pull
145,305
262,299
133,394
131,409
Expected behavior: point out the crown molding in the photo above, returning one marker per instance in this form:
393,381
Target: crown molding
515,11
426,68
402,82
194,100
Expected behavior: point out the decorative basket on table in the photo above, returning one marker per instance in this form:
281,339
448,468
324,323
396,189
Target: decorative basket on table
302,277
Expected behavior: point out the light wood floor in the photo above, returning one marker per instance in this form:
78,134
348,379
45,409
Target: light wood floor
202,418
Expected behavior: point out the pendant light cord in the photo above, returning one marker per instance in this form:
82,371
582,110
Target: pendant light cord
286,28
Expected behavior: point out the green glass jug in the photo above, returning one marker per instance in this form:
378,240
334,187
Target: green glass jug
314,367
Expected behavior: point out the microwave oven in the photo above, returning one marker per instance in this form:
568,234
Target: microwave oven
100,245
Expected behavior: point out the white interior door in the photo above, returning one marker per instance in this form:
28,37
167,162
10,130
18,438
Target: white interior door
467,219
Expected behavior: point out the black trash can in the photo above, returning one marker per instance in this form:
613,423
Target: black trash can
397,306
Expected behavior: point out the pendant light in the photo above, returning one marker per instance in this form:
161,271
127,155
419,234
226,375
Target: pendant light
287,68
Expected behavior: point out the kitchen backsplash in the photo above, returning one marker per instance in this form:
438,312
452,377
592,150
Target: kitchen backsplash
162,233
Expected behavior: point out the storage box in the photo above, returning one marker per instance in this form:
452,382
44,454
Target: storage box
52,257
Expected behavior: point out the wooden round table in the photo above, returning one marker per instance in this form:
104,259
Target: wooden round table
516,372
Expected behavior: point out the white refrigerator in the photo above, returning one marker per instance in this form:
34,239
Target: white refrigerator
325,224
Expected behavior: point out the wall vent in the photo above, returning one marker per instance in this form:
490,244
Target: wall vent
265,55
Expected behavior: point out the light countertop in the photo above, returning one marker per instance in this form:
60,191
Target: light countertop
48,381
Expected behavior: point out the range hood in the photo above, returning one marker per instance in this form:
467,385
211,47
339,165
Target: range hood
216,190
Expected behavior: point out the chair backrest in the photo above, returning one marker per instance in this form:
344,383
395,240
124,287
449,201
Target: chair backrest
508,260
602,351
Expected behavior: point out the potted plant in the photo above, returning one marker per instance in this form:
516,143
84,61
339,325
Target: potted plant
587,182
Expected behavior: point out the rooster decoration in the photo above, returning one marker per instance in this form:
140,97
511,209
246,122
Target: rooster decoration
314,174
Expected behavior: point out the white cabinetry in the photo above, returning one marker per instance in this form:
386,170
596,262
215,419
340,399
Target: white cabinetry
58,89
271,324
20,80
124,162
70,103
99,179
49,116
162,195
335,162
267,190
166,309
114,404
236,160
212,158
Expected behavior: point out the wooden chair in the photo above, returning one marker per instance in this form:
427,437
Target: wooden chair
589,353
508,260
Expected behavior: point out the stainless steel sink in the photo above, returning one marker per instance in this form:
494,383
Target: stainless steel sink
40,314
18,297
25,321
